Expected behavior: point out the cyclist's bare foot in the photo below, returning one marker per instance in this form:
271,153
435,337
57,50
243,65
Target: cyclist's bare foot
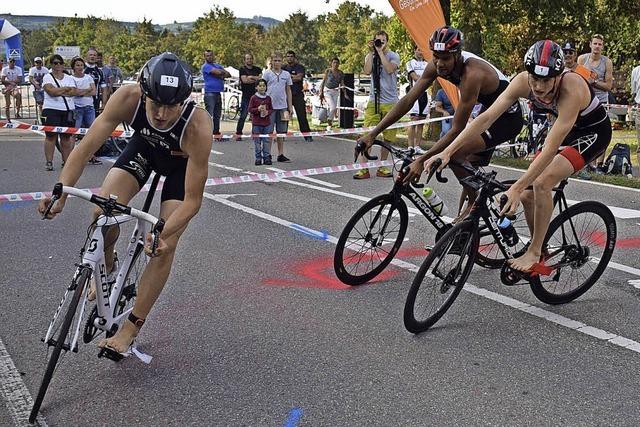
123,339
465,213
525,262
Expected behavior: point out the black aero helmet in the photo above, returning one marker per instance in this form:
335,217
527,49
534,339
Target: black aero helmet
166,79
446,39
544,59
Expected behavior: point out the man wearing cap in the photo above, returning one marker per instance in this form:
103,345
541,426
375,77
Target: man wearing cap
36,74
570,56
11,79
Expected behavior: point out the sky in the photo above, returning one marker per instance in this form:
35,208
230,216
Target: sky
184,11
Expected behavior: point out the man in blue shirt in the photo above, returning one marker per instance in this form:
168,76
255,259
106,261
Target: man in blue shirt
213,75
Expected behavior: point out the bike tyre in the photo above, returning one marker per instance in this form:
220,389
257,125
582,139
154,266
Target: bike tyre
609,220
81,282
464,228
338,259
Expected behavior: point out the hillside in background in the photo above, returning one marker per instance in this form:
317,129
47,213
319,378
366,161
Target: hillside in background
37,22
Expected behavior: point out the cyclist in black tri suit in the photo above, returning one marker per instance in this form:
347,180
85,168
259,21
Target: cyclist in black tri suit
478,82
172,138
581,132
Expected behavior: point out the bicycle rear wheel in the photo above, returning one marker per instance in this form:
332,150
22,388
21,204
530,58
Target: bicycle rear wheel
581,240
363,248
441,277
78,285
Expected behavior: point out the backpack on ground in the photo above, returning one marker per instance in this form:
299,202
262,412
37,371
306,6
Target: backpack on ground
619,160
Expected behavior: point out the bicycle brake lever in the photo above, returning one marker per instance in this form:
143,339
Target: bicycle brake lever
434,170
155,232
503,201
55,196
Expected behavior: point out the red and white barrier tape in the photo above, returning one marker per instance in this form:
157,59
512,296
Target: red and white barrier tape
128,134
59,129
349,131
271,176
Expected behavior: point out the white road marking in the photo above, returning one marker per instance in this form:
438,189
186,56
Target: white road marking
635,283
533,310
622,213
307,178
217,152
14,392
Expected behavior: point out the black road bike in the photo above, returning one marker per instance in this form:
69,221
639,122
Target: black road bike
374,234
577,248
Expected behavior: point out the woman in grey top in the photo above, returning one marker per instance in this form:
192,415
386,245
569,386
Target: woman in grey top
330,89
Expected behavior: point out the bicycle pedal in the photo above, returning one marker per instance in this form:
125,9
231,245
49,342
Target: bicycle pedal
110,354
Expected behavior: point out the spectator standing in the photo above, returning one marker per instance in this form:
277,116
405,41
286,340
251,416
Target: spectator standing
36,74
601,79
420,108
332,83
279,89
213,75
59,90
298,72
260,107
249,75
11,79
570,56
112,74
444,106
91,68
383,96
635,92
84,109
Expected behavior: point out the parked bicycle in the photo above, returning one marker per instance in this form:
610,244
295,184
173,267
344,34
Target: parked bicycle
114,300
374,234
577,248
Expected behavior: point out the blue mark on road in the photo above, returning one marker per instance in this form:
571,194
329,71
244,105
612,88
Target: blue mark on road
320,235
294,416
9,206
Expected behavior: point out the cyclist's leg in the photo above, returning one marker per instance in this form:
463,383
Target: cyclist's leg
157,271
467,153
559,169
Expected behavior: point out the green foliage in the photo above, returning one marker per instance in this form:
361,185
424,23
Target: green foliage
499,31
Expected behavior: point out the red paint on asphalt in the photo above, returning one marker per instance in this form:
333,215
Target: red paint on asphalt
318,273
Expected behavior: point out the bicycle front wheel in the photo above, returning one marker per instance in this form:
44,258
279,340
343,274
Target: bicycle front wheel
371,239
580,241
441,277
233,108
79,284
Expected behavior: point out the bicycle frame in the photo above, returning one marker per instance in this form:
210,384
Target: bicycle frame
410,192
93,258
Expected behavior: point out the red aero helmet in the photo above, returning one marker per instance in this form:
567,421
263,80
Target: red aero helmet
446,39
544,59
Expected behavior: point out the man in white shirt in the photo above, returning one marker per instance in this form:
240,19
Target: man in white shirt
11,79
635,92
36,73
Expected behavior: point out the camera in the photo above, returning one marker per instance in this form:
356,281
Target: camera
377,42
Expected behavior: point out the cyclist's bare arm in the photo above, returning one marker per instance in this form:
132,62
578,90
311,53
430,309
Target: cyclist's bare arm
517,88
196,143
469,91
406,102
121,109
573,96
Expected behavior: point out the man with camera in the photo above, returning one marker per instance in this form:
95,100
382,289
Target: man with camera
382,64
